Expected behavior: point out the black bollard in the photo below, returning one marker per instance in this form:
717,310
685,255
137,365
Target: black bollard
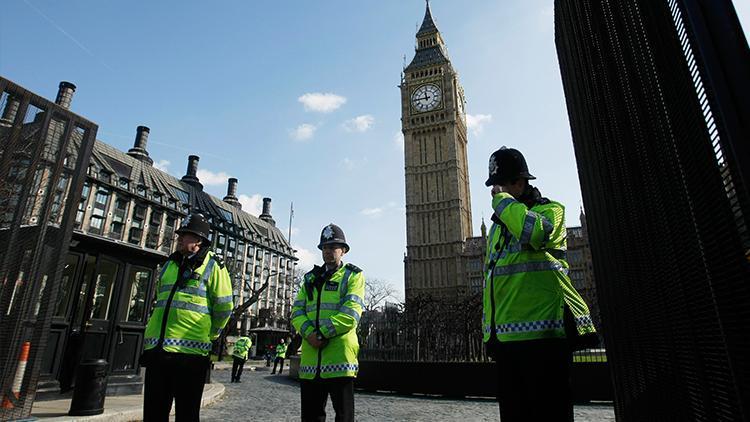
90,389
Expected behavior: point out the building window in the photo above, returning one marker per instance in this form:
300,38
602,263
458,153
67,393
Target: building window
241,249
141,190
248,267
104,176
82,204
119,215
137,225
173,204
169,227
124,183
250,251
99,212
152,239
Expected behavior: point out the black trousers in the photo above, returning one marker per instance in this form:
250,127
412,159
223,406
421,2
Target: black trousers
276,362
315,393
175,376
534,380
237,366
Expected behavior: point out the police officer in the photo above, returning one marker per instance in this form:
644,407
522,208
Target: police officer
239,357
326,313
533,317
280,354
193,303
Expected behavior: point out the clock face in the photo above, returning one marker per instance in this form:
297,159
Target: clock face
427,97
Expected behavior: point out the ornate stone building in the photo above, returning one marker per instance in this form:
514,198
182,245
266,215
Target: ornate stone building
124,228
581,267
438,203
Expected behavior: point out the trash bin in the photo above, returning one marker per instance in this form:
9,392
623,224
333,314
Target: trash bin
90,389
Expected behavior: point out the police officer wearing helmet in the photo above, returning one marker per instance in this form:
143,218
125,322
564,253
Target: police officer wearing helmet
326,313
193,304
533,317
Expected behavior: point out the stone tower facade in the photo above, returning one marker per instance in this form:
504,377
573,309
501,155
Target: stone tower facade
438,203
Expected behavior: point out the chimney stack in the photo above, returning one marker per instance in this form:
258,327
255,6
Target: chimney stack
231,197
139,147
10,111
266,215
191,177
65,94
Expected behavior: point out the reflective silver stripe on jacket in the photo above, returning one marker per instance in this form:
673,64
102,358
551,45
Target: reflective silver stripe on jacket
298,313
323,307
527,267
178,304
349,311
222,299
305,325
528,227
548,228
344,287
327,328
299,303
502,205
353,298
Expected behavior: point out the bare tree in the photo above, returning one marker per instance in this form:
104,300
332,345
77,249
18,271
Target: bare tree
377,291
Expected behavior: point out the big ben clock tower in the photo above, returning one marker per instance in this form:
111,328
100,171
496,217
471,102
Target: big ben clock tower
438,203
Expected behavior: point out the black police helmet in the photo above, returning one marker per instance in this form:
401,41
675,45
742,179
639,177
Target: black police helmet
332,235
196,224
506,165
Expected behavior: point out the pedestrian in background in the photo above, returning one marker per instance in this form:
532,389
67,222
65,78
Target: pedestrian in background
533,317
193,304
239,357
326,313
280,355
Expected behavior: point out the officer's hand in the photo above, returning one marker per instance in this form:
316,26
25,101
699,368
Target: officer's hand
313,340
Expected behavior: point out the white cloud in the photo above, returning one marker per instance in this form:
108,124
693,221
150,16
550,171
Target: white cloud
372,212
348,164
398,140
475,123
322,103
303,132
209,178
360,123
307,258
162,165
252,205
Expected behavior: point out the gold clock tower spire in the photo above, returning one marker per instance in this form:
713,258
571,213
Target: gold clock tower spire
438,203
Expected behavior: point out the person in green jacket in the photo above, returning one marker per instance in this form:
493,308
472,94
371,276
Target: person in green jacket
326,313
280,355
193,304
239,357
533,317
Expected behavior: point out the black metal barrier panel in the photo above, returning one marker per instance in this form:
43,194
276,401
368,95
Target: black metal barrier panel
590,377
44,155
657,94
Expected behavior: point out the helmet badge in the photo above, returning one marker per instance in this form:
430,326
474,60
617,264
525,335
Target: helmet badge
493,165
328,232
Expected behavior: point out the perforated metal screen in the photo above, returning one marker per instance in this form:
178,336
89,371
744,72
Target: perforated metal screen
663,173
44,154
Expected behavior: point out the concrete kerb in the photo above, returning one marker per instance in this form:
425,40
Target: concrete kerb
116,409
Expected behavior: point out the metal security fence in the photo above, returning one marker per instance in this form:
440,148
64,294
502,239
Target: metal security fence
658,97
44,154
424,329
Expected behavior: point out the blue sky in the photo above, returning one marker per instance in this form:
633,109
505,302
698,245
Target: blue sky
299,99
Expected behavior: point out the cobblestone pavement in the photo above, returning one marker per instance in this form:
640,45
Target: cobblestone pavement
265,397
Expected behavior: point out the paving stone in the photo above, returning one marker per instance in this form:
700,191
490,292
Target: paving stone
266,397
